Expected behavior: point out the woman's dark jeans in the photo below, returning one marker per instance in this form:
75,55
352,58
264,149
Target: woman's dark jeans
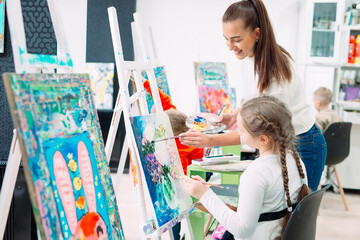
312,149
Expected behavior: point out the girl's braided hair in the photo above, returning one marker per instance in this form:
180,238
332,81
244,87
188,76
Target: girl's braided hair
266,115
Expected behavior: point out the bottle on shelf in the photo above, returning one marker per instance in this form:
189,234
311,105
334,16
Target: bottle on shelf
351,54
355,14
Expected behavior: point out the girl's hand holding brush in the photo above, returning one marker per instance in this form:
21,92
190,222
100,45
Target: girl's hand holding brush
195,186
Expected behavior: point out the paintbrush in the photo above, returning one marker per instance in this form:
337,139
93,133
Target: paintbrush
207,183
164,139
213,185
223,106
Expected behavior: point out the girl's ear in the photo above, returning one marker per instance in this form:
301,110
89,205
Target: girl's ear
264,139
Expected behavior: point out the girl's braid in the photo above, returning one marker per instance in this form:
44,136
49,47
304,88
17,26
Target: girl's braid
297,159
282,149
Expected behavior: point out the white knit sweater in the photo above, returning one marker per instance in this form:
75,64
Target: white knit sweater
292,94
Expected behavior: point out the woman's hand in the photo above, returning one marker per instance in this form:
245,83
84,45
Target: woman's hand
195,186
228,119
195,139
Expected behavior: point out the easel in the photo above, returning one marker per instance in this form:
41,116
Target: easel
145,45
34,63
148,55
124,103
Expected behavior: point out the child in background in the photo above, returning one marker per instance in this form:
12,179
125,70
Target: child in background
273,182
322,98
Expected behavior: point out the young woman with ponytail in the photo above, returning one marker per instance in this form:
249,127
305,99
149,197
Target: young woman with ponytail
272,185
248,32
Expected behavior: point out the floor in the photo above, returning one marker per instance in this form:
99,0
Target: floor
334,223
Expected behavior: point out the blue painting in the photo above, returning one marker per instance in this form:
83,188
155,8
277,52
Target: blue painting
162,83
66,170
161,166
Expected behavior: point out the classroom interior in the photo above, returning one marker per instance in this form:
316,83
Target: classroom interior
179,34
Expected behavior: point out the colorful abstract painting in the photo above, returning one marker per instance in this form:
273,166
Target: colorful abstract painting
25,61
162,84
63,153
211,99
161,166
2,25
211,73
102,83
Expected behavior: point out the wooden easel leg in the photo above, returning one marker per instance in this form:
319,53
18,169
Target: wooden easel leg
341,190
207,225
121,165
8,185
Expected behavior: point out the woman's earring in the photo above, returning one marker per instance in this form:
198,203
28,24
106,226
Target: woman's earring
257,40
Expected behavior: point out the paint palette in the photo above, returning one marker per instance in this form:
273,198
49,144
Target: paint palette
205,122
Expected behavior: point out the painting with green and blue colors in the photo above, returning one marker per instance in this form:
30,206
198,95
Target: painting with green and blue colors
162,83
211,74
2,25
161,167
63,153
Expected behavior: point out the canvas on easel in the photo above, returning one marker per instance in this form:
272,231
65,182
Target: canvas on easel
161,167
212,98
211,73
162,84
27,62
213,89
102,83
63,153
126,104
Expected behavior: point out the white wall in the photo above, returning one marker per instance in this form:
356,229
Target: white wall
186,31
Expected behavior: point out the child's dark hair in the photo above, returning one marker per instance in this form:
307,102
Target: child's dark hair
177,121
271,60
266,115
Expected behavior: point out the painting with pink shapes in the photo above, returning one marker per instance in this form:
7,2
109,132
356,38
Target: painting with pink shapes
63,154
211,99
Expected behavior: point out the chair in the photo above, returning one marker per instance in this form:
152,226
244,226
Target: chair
337,136
302,223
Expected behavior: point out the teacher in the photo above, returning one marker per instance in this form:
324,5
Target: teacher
248,32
